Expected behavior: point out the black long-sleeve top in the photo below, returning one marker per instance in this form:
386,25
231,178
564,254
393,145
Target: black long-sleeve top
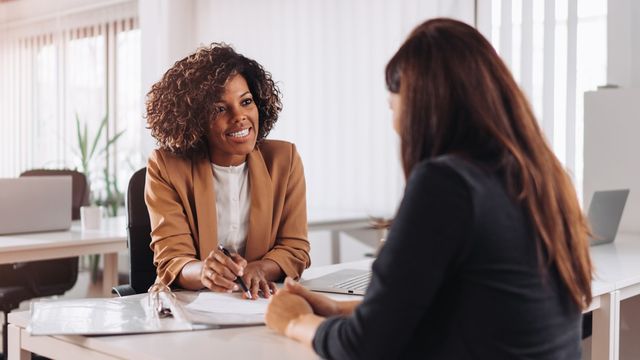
458,278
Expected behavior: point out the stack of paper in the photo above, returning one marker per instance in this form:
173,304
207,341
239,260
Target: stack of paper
206,307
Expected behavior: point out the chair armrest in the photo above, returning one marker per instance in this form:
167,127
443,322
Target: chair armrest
123,290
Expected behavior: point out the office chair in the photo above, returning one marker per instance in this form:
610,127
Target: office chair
142,272
33,279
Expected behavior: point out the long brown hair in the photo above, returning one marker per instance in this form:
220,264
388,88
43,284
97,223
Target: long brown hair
457,96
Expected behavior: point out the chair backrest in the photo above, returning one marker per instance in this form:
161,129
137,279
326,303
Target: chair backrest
79,185
142,273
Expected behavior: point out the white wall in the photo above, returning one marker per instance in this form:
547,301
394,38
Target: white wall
35,17
611,148
612,120
328,58
14,12
623,42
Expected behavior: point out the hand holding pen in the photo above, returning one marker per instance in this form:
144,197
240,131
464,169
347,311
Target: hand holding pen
220,272
238,280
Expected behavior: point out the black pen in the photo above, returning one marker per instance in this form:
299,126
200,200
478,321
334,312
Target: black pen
239,280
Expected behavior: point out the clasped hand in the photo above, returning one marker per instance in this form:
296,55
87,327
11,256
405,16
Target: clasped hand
295,301
219,273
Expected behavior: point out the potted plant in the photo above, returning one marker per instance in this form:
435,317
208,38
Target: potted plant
89,150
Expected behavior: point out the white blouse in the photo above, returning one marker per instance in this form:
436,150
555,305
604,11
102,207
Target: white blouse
232,205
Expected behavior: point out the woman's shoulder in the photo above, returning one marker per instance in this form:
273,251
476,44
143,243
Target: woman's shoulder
276,147
278,151
454,171
165,159
468,170
279,157
167,155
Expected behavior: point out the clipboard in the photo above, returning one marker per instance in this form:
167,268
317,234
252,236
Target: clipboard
116,316
160,310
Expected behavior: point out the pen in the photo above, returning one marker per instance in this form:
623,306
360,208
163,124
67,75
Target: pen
239,280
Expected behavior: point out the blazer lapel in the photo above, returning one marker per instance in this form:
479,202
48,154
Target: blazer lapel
205,201
261,210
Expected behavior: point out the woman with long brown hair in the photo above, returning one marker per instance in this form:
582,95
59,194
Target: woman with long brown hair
487,257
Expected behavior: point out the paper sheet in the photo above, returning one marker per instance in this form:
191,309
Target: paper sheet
221,308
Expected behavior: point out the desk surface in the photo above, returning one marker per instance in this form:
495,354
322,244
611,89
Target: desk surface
618,264
617,267
232,343
43,245
110,239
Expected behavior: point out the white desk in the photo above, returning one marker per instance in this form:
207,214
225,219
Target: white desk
108,240
256,342
617,271
617,277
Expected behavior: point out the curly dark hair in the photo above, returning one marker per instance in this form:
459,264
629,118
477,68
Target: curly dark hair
181,105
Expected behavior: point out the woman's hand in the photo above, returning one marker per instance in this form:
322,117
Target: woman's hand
257,277
219,271
321,304
283,308
292,316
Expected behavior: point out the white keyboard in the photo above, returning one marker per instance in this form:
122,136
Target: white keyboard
360,282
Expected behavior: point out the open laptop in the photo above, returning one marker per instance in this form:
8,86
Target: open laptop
348,281
34,204
605,213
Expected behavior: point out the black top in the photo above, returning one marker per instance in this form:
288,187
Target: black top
458,278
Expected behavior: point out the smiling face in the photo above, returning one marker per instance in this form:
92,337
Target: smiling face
233,131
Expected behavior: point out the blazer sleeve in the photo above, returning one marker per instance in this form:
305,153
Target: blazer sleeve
171,239
291,249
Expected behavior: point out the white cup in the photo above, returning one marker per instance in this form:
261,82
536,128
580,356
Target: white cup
90,217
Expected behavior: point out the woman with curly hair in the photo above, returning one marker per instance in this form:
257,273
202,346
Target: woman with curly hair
215,181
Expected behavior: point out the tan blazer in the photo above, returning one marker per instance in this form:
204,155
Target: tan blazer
181,197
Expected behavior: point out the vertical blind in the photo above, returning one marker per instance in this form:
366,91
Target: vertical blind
556,50
83,65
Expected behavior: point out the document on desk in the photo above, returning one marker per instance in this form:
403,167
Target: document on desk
205,307
125,315
135,314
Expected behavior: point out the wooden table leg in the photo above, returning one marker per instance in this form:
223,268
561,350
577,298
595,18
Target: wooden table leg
15,349
606,328
110,273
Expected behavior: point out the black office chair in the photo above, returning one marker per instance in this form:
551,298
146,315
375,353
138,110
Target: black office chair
33,279
142,272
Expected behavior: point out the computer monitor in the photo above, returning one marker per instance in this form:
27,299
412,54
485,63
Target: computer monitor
33,204
605,213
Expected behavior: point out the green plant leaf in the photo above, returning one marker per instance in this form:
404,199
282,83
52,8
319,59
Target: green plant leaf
86,158
111,141
89,151
80,140
103,125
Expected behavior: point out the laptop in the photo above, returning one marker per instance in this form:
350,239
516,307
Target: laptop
34,204
605,213
347,281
